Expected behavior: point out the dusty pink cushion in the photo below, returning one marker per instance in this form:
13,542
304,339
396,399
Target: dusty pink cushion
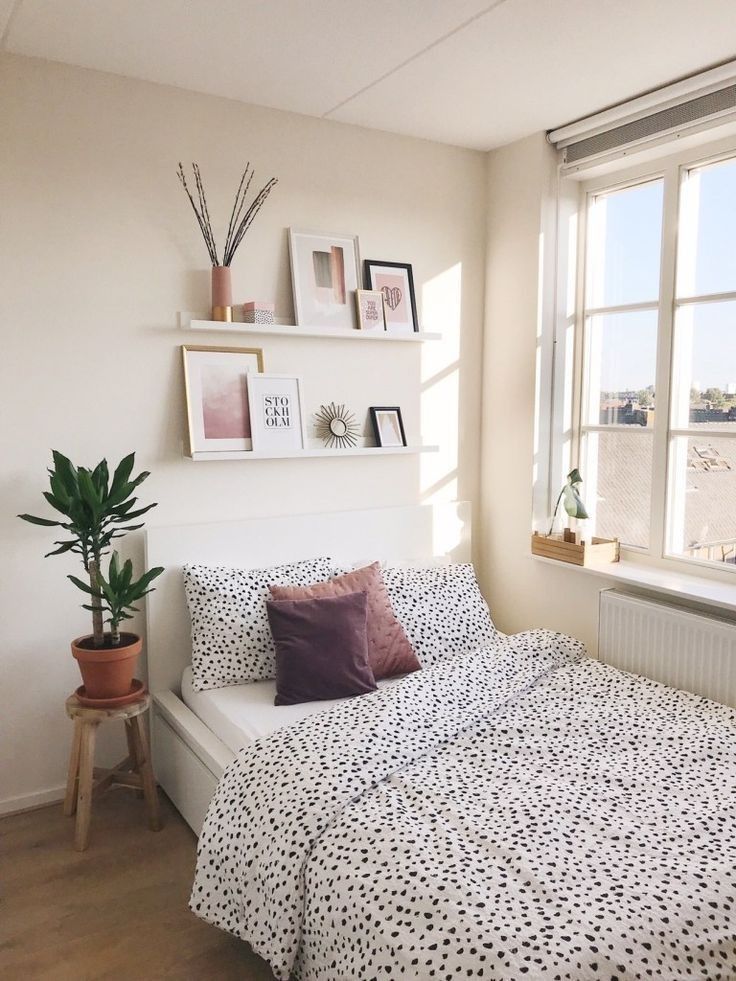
321,648
389,650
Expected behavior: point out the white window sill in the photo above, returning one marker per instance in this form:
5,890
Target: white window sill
683,586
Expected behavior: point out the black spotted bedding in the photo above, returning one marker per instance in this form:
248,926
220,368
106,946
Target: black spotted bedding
518,812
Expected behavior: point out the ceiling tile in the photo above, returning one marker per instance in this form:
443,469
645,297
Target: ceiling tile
531,65
291,54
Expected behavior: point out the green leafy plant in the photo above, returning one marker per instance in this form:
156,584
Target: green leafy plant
570,496
119,592
97,509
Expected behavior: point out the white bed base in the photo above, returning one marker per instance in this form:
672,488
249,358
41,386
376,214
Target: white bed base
188,757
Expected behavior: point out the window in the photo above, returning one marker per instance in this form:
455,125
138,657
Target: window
657,378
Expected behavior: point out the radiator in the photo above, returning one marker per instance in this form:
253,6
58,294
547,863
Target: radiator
668,643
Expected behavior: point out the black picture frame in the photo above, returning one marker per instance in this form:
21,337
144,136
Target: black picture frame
374,410
368,265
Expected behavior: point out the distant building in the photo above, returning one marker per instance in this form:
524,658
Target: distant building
704,414
614,412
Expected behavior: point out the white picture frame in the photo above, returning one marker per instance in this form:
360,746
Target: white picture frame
215,385
277,413
325,272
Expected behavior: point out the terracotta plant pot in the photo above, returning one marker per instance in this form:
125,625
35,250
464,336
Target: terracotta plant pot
107,672
222,294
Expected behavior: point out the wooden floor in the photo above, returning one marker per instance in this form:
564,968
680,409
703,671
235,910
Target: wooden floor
118,910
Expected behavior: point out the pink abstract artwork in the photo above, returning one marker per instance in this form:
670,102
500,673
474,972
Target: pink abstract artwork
225,402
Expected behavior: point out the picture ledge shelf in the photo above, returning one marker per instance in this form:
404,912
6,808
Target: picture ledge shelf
207,456
187,322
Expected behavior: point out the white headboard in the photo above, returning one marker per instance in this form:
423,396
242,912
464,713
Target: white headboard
413,533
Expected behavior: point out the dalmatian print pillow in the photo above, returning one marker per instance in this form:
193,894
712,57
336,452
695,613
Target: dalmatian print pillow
231,638
441,610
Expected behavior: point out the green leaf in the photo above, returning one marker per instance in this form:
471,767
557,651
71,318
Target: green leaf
66,472
56,505
100,477
88,492
45,522
58,489
573,503
85,587
148,577
122,473
63,547
88,606
132,515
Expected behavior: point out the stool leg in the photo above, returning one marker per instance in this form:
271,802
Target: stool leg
72,778
145,769
84,798
133,750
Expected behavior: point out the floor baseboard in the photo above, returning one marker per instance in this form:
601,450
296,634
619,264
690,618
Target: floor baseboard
29,802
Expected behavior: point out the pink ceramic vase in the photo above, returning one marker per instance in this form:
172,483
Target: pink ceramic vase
222,293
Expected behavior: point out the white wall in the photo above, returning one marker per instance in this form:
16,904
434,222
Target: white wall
519,251
98,250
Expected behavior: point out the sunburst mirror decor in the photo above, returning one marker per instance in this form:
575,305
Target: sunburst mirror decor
336,426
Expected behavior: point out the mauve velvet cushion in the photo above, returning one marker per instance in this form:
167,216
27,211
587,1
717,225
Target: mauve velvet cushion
321,648
389,650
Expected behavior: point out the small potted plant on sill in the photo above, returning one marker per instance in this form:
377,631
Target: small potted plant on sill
95,511
569,546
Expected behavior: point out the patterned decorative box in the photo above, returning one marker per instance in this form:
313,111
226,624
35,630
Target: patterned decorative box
256,312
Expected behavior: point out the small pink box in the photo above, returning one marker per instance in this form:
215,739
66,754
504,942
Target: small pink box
256,312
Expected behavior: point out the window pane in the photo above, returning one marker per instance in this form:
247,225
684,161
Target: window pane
617,474
621,364
704,365
703,498
707,246
624,240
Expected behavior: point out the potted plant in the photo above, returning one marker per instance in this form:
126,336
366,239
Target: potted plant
95,511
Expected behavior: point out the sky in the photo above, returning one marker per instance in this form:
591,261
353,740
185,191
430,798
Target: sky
631,274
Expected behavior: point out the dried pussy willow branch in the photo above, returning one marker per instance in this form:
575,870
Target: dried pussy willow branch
241,218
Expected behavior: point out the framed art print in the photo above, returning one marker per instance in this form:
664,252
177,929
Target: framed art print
216,387
388,426
276,413
370,307
396,281
325,270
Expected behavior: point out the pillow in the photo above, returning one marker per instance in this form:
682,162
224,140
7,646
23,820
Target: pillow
231,639
389,650
441,609
321,648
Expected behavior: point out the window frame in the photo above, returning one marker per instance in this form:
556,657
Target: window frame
672,170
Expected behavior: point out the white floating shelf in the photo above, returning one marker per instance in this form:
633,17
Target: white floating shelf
207,456
292,330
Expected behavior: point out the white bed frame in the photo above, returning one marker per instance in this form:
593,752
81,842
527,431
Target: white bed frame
189,758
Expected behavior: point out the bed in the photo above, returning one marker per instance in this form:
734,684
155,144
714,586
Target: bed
519,811
189,756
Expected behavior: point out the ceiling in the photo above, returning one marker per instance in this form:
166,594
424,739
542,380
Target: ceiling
468,72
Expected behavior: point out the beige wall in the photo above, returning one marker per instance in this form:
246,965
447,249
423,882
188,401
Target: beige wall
521,207
98,251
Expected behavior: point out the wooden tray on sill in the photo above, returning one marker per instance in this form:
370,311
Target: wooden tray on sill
569,548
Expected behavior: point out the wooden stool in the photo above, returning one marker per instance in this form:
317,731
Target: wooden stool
85,779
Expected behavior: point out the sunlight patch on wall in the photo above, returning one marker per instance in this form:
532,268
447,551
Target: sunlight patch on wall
440,398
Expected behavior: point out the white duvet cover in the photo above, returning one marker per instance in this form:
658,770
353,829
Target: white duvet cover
518,812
